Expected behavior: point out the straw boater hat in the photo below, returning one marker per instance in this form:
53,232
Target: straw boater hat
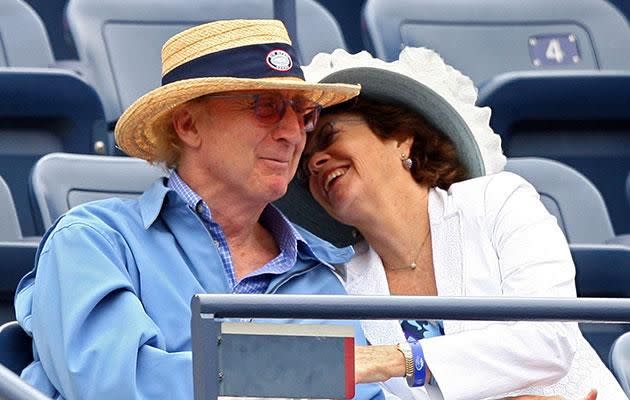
220,56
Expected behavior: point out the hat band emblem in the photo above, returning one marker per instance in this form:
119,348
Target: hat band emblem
240,62
279,60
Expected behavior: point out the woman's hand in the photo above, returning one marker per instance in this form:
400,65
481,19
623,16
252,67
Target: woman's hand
377,363
592,395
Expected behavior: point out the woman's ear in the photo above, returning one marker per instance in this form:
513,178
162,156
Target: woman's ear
404,144
185,126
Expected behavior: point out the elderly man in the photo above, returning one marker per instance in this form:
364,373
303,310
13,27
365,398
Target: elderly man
108,304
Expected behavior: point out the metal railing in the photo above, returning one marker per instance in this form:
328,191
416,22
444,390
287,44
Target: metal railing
412,307
209,310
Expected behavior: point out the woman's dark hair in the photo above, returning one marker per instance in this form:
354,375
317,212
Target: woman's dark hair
435,159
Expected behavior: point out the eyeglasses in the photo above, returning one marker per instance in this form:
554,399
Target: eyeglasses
269,108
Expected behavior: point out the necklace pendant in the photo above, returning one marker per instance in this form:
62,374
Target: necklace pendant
412,265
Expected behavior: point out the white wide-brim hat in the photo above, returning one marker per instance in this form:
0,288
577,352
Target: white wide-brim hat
221,56
421,81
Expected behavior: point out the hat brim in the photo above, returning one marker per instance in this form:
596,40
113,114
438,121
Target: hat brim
150,116
390,87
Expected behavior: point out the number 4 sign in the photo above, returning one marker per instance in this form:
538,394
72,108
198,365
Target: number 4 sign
553,50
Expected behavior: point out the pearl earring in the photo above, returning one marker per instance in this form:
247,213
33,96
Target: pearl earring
406,161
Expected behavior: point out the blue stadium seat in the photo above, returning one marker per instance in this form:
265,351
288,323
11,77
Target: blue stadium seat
120,40
17,259
9,223
602,271
580,118
23,38
17,253
60,181
41,111
571,198
486,38
15,347
620,361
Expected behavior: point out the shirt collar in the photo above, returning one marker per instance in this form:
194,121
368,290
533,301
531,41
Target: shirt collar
153,199
176,183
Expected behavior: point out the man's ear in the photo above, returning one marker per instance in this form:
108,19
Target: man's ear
185,126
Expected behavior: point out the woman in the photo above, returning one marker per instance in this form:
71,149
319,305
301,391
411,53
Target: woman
396,164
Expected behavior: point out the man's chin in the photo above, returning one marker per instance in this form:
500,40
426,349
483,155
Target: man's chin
277,191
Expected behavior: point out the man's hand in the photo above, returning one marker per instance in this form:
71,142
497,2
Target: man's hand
592,395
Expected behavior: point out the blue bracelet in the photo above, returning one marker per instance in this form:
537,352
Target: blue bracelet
419,366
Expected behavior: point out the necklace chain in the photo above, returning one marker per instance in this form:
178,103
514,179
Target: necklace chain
413,264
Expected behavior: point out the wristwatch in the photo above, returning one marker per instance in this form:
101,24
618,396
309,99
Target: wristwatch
405,349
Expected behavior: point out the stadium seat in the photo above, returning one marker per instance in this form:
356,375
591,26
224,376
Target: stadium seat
16,253
60,181
42,111
580,118
15,347
9,224
602,270
628,188
620,361
571,198
23,38
486,38
17,259
120,40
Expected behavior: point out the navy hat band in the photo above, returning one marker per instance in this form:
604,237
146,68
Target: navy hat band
255,61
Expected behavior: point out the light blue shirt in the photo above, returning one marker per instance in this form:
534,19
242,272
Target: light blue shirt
108,304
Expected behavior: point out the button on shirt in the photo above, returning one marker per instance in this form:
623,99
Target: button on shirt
285,235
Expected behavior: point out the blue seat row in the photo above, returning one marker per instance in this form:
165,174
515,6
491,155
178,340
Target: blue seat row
117,39
491,37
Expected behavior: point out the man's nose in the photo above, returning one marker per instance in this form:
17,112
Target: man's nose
290,127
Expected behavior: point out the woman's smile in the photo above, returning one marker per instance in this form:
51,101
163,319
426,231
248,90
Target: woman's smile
331,177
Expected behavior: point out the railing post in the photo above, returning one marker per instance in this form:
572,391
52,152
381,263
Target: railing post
206,337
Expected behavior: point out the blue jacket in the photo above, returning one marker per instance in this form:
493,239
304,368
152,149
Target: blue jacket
108,303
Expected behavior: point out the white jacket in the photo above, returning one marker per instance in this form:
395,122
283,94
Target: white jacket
492,236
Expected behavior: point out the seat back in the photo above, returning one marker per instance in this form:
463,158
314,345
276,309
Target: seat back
16,260
120,40
620,361
15,347
486,38
60,181
602,270
23,38
567,194
43,111
9,224
579,118
17,253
